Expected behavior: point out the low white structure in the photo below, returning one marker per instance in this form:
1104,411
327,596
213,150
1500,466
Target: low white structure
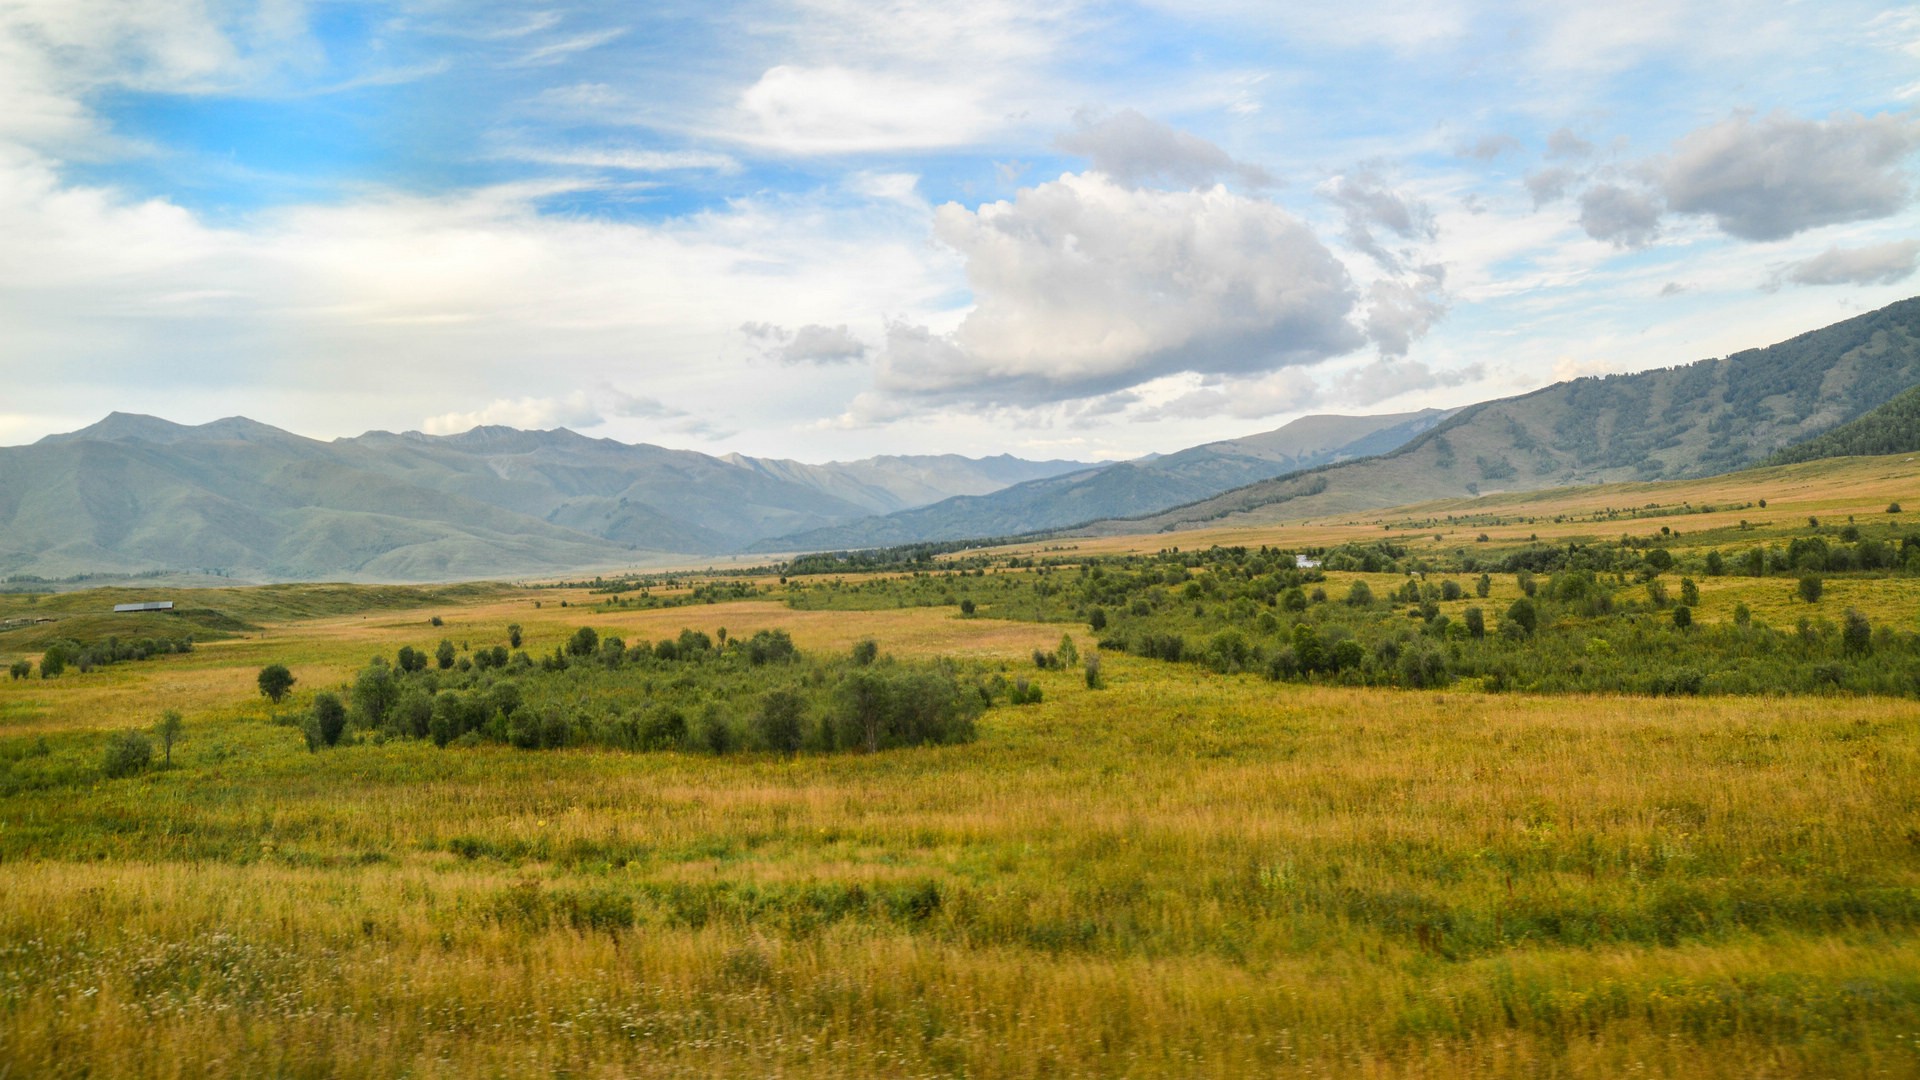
151,605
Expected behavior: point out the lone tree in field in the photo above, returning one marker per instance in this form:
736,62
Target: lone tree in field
276,682
444,655
1810,589
169,729
513,635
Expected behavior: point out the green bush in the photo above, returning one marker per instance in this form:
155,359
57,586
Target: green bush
128,753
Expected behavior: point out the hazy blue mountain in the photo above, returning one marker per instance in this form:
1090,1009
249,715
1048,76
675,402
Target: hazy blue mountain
1124,489
135,493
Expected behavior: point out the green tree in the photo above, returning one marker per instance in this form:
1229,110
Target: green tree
1360,595
1689,592
1097,619
1069,653
21,669
866,651
1523,615
1856,633
513,635
1476,622
444,655
967,606
1810,588
276,682
326,721
780,721
1682,616
1483,586
169,729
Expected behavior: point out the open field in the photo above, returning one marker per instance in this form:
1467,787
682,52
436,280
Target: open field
1180,873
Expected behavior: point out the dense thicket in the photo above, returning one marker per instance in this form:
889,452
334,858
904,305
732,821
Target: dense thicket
1607,617
690,692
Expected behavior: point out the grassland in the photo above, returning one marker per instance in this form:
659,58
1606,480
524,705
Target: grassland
1180,873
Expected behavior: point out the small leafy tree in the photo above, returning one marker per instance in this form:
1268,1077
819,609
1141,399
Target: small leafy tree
1523,615
1360,595
866,651
128,752
1682,616
1094,682
276,682
1097,619
169,729
1810,589
1068,653
1689,592
326,721
584,642
21,669
53,662
778,724
1483,586
513,635
1856,633
1476,622
967,606
444,655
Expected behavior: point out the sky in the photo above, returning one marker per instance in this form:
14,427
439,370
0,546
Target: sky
824,230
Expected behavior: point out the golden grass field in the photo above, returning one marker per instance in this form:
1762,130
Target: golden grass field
1180,874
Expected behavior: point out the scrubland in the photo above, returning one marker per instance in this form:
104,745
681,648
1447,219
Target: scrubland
1182,872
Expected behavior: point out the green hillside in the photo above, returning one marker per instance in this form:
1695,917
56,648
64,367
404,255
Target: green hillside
1701,419
1893,428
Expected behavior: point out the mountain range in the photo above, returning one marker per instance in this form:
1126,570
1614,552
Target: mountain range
137,494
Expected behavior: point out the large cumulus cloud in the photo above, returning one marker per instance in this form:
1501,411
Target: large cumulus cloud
1084,286
1769,178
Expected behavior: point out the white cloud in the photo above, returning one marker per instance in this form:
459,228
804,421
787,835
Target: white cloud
574,410
1622,216
830,110
811,344
1136,151
1368,203
1771,178
630,160
1875,264
1082,287
555,52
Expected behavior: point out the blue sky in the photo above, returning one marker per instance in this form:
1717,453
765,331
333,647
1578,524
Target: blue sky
824,229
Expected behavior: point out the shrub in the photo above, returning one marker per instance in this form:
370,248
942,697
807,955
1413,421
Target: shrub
1523,616
967,606
1682,616
326,721
1450,590
128,753
866,651
1093,672
1360,595
1893,508
1810,589
21,669
443,655
513,635
584,642
1476,622
778,724
1856,633
1097,619
275,682
1483,586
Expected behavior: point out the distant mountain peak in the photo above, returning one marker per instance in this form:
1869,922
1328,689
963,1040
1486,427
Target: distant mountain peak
139,427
